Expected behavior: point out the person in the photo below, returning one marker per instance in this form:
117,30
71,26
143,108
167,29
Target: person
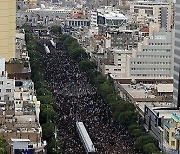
78,99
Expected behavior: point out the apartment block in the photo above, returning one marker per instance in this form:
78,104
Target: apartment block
7,86
7,28
171,133
176,95
154,56
158,12
117,62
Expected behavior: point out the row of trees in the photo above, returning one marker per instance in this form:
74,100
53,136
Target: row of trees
48,114
123,112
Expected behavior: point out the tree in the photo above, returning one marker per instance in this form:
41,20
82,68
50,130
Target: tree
106,89
150,148
126,118
133,126
47,113
47,99
56,30
3,144
74,45
143,140
78,54
68,40
48,128
44,91
138,132
86,65
99,79
27,28
111,98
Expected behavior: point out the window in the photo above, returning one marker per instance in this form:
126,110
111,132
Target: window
1,82
8,90
173,143
173,134
0,90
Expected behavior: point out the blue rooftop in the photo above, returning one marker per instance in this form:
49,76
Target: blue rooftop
175,117
168,125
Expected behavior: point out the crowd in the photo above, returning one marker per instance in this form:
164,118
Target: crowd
77,99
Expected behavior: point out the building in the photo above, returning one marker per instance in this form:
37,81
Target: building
171,135
33,3
43,16
117,62
7,28
176,95
154,120
108,19
154,56
124,39
79,18
7,86
158,12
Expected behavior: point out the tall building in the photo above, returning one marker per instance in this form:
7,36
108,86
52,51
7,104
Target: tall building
153,58
7,28
176,96
159,12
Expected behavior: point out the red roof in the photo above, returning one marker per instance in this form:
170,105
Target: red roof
144,29
79,16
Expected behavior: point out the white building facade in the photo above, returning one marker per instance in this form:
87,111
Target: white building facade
176,93
154,57
158,12
7,86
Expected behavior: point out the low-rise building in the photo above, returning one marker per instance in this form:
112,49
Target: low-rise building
19,112
155,119
171,135
7,86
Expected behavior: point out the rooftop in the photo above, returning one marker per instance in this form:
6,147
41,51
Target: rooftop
19,140
113,15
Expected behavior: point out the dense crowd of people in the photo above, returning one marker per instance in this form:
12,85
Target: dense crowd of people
78,100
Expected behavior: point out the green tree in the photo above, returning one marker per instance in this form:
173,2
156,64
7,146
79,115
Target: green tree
106,89
48,128
86,65
133,126
126,118
150,148
138,132
56,30
47,113
44,91
27,28
3,144
143,140
99,79
111,98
